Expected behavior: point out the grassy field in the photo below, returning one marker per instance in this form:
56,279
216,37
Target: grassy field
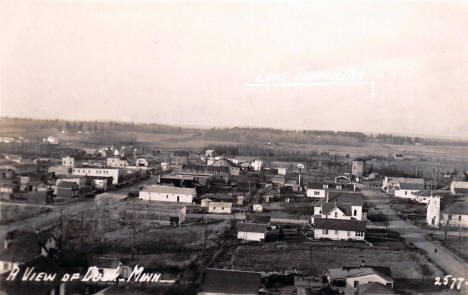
315,260
10,212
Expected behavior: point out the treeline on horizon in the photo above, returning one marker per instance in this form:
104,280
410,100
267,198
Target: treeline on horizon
235,134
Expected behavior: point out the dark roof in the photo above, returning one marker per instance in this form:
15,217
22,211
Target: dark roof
251,227
460,190
457,208
231,281
105,262
340,224
67,184
21,251
411,186
355,199
374,289
18,235
315,185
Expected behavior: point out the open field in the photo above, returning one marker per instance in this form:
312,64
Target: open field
10,212
313,258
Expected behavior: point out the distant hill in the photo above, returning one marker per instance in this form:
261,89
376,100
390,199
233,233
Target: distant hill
106,130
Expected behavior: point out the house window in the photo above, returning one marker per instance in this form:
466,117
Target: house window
326,231
406,192
349,233
336,214
222,208
355,212
459,217
316,193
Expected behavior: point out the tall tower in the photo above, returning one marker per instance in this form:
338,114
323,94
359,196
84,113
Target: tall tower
433,211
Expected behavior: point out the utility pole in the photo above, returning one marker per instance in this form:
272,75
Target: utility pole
81,234
134,229
204,243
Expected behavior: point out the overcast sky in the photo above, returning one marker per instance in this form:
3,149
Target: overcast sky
194,62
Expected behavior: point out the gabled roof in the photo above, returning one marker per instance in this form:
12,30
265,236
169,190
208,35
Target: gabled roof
231,281
340,224
169,189
251,227
457,208
354,199
347,272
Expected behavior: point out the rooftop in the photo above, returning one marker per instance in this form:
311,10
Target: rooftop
231,281
251,227
457,208
340,224
169,189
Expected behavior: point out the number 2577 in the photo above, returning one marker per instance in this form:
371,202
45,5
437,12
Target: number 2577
450,281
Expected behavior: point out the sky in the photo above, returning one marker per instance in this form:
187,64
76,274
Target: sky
371,66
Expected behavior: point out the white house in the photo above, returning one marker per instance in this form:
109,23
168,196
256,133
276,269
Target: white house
220,207
251,231
167,194
403,187
316,190
433,211
348,279
459,187
340,206
456,215
339,229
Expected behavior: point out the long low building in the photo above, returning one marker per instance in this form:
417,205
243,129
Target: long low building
167,194
339,229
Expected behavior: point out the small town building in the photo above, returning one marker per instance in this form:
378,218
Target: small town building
167,194
20,247
408,187
230,282
240,200
316,190
339,229
433,211
68,162
251,231
358,168
117,162
456,215
282,170
349,279
220,207
115,173
459,188
257,208
205,203
67,189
